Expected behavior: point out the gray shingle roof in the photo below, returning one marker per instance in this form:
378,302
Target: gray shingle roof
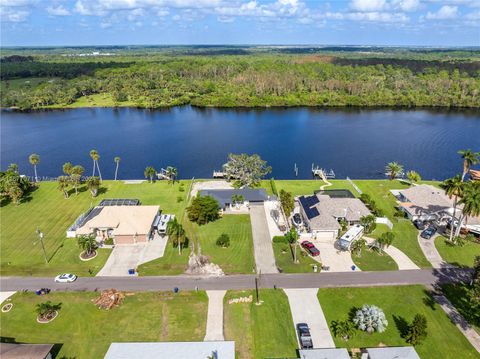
224,196
425,199
392,353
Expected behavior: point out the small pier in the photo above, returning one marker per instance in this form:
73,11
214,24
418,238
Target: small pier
219,174
164,175
322,173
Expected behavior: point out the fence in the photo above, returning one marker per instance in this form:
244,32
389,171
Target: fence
354,185
384,220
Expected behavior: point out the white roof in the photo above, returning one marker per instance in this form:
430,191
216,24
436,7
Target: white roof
177,350
122,220
327,353
352,233
392,353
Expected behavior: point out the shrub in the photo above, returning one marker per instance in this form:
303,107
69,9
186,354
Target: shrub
223,241
370,319
181,188
344,329
179,199
279,239
417,331
399,213
203,209
273,186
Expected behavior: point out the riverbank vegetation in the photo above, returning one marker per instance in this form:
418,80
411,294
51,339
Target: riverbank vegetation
244,77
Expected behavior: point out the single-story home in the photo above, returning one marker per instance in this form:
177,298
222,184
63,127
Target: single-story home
25,351
177,350
321,213
124,224
424,202
224,196
390,353
326,353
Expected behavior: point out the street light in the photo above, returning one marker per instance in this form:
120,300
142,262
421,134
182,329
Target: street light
40,238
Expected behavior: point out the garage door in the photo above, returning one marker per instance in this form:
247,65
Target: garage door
124,240
329,236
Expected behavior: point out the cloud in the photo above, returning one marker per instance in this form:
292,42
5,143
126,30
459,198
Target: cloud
444,13
58,11
406,5
368,5
13,15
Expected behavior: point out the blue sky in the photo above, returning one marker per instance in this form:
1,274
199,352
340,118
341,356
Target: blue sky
355,22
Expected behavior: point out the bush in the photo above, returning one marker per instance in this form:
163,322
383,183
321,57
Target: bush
417,331
179,199
399,213
203,209
370,319
273,186
223,241
279,239
181,188
287,202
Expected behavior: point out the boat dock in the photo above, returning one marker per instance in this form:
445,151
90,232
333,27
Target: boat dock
322,173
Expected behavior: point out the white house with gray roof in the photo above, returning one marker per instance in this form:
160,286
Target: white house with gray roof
321,213
424,202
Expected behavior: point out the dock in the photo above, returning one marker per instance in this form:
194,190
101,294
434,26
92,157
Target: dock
322,173
164,175
219,174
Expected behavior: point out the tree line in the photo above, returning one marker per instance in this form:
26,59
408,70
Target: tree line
250,80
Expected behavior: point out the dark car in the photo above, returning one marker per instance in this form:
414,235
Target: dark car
429,232
304,336
419,224
310,248
297,219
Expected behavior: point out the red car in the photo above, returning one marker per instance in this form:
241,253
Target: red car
310,248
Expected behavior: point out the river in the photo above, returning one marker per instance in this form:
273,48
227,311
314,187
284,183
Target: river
354,143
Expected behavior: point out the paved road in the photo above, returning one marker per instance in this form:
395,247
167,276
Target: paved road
262,243
184,282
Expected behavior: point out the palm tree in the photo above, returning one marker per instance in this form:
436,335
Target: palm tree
34,160
172,173
453,188
471,203
88,243
67,168
292,238
149,173
413,177
46,309
93,184
94,156
470,159
63,184
117,162
176,231
385,240
394,170
357,247
76,176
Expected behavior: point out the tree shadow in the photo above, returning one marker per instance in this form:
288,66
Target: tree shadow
352,312
428,299
401,324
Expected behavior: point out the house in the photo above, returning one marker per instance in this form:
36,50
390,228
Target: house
25,351
475,175
322,212
390,353
224,197
128,224
327,353
424,202
177,350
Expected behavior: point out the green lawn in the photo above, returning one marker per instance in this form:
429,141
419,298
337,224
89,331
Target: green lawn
371,260
25,83
97,100
46,209
305,187
238,258
458,295
462,256
400,304
405,232
264,331
84,331
283,258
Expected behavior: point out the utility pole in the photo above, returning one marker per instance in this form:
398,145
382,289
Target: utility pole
257,279
40,238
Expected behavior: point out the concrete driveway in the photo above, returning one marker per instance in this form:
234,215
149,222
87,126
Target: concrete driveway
262,243
306,308
130,256
338,261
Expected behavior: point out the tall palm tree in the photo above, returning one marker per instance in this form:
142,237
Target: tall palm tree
172,174
95,157
63,184
76,176
453,188
413,177
149,173
470,159
471,203
394,170
117,162
93,184
34,160
88,243
177,233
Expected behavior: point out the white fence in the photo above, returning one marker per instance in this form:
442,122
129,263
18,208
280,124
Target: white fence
384,220
354,185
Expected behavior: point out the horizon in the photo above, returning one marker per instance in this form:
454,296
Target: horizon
393,23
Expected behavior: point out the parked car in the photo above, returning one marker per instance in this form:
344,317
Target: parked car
65,278
304,336
429,232
297,220
419,224
310,248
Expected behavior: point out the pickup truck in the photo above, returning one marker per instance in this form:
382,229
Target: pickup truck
304,336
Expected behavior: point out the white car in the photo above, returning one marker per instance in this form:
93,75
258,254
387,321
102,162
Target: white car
65,278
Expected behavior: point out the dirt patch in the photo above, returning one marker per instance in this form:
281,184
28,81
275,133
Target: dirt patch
84,257
47,318
7,307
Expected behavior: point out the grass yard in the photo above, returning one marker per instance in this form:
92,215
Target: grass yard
84,331
238,258
97,100
400,304
264,331
462,256
458,295
283,258
46,209
405,232
371,260
25,83
306,187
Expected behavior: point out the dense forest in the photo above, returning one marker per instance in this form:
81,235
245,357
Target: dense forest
243,76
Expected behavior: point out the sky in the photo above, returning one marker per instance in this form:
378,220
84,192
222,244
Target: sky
282,22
